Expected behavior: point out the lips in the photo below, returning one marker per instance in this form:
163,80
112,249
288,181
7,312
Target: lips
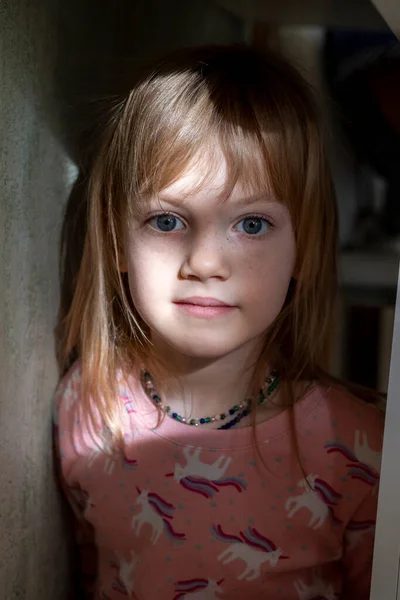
201,301
204,308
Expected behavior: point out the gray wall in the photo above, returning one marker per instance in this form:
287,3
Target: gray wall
33,176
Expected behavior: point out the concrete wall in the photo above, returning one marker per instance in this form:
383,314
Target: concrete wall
33,176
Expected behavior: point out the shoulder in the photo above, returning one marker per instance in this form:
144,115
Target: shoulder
346,405
68,396
77,420
341,439
346,417
68,391
82,415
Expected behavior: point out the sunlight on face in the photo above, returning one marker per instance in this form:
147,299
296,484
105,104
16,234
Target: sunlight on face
209,276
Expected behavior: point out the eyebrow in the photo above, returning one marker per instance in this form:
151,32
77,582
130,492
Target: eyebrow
243,200
248,200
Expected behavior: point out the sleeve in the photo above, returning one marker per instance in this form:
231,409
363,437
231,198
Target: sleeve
358,549
85,560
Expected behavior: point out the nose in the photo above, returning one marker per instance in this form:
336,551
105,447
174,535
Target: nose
206,258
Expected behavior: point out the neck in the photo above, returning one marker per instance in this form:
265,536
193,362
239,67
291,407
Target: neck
205,387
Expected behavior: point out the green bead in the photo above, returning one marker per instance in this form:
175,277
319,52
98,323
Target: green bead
248,404
273,386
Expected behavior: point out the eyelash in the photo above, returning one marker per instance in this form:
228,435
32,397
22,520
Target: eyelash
162,214
171,214
257,216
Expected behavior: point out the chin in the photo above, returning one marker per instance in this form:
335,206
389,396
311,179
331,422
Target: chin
207,347
202,350
208,354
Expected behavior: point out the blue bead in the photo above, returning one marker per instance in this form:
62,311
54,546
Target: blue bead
202,421
231,411
174,415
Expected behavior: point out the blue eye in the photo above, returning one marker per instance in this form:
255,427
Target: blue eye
166,223
253,226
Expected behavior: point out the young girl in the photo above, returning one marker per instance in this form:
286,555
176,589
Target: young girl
204,450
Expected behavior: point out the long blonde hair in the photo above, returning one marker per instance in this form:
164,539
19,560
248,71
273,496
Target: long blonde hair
266,120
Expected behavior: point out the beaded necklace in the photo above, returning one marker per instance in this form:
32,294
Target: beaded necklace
240,410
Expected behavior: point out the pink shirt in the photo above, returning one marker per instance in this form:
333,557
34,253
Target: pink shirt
188,513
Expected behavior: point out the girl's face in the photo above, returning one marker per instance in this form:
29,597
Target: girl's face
209,276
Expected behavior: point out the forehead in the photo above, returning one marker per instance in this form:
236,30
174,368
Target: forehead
210,177
202,176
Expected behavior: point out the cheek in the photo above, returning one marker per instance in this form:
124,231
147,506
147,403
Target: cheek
139,273
267,276
149,273
272,267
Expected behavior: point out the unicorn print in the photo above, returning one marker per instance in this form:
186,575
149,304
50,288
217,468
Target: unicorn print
129,406
196,468
88,504
251,547
364,453
318,497
364,463
202,478
156,512
126,399
126,573
356,531
318,589
72,390
198,589
100,450
109,463
128,463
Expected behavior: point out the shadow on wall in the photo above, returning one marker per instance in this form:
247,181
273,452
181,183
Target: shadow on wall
101,46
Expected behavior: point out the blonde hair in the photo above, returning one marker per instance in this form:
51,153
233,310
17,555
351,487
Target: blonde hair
266,121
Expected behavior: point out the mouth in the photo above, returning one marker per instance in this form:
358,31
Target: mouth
204,308
200,301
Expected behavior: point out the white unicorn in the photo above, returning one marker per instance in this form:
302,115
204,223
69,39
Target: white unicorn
109,463
196,468
72,391
318,589
251,547
364,453
309,499
253,558
147,515
158,513
127,570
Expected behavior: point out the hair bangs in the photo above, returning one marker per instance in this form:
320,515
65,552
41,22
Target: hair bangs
183,115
